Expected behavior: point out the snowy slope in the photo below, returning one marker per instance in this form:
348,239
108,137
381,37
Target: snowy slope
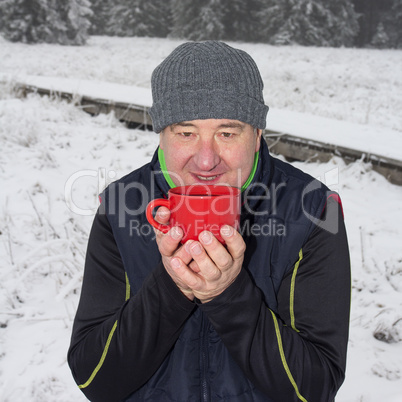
50,149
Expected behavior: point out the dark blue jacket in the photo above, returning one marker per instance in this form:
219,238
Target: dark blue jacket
278,333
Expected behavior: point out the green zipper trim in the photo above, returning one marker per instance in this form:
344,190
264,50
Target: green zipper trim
162,162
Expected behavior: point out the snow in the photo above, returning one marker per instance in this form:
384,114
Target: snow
365,138
369,139
55,159
129,94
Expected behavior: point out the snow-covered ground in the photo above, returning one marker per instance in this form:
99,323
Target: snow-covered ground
51,149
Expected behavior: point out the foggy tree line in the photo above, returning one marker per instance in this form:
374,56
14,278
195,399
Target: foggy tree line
50,21
360,23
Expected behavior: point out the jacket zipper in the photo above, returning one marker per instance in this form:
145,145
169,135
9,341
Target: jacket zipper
204,360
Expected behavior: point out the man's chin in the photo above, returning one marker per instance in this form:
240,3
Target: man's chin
221,179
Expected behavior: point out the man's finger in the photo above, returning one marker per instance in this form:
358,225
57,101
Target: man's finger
162,215
207,267
234,242
216,251
169,242
186,275
194,266
183,254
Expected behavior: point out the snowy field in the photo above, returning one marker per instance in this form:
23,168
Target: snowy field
51,149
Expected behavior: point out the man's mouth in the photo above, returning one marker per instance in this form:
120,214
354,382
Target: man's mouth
207,178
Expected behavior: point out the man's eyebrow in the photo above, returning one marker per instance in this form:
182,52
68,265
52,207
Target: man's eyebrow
232,125
182,124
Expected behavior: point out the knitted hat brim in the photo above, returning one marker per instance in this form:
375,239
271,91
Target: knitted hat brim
207,104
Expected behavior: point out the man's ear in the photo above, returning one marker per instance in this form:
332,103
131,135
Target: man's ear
258,139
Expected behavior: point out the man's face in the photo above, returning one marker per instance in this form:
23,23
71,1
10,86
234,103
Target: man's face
212,151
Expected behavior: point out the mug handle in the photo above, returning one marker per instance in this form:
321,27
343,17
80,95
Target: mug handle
159,202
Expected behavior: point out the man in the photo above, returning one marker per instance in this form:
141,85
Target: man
263,318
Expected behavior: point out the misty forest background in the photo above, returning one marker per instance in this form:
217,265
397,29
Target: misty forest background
348,23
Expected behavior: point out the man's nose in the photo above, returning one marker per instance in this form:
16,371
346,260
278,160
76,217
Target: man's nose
207,156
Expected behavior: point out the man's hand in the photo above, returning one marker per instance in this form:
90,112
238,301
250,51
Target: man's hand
170,247
214,267
204,268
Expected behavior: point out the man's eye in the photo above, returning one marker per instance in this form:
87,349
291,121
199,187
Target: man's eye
227,135
186,134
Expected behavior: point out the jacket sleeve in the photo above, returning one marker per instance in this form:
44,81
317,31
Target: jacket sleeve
298,353
119,340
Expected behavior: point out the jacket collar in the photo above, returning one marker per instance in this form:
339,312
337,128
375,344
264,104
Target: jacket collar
261,179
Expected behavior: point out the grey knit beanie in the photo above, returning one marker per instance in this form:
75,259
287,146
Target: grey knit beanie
207,80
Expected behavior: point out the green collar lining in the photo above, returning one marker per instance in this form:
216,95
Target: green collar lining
252,173
162,162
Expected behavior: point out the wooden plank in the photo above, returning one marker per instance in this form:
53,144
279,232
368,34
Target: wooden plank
291,147
301,149
129,113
